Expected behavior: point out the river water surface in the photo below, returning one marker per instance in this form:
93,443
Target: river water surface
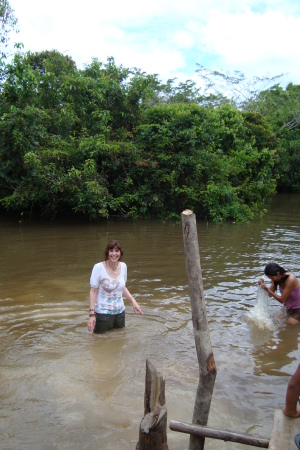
63,388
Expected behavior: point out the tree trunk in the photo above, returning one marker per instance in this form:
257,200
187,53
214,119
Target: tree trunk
207,366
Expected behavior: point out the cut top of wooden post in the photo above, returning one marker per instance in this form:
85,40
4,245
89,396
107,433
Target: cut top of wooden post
187,212
154,389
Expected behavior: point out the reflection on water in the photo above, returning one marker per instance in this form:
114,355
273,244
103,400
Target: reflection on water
265,353
62,387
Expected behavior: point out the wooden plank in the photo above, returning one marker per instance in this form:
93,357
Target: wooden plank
284,431
224,435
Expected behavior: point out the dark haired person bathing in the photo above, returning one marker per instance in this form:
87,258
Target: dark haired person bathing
289,288
108,286
290,297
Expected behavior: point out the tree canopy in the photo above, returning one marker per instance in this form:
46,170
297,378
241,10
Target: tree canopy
8,23
108,140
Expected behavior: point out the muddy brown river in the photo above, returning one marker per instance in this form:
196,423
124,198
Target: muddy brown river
63,388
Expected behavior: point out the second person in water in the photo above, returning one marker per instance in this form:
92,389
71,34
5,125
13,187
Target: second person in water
289,288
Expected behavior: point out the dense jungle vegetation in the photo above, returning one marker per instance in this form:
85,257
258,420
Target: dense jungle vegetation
108,140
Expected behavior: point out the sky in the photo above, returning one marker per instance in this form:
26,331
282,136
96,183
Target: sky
169,38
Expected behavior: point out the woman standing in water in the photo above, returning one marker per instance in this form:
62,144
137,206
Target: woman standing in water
289,288
108,286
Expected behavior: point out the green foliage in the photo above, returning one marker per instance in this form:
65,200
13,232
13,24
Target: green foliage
204,162
109,140
281,109
58,186
8,23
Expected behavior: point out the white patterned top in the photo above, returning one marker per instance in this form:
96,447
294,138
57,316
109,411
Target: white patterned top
110,291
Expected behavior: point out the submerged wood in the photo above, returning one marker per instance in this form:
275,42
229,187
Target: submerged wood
207,366
153,427
226,435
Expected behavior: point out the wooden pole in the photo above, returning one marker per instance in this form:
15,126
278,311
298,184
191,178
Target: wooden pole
153,427
207,366
197,430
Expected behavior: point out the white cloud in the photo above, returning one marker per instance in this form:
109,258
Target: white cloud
255,43
183,39
250,37
168,37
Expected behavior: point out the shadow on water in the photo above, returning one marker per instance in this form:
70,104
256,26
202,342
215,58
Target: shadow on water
64,388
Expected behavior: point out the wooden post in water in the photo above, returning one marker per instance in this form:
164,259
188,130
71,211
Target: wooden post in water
153,428
207,366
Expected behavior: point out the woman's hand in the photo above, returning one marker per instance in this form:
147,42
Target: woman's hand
265,288
261,283
91,323
136,307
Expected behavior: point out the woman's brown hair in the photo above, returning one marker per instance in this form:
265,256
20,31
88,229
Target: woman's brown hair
110,246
